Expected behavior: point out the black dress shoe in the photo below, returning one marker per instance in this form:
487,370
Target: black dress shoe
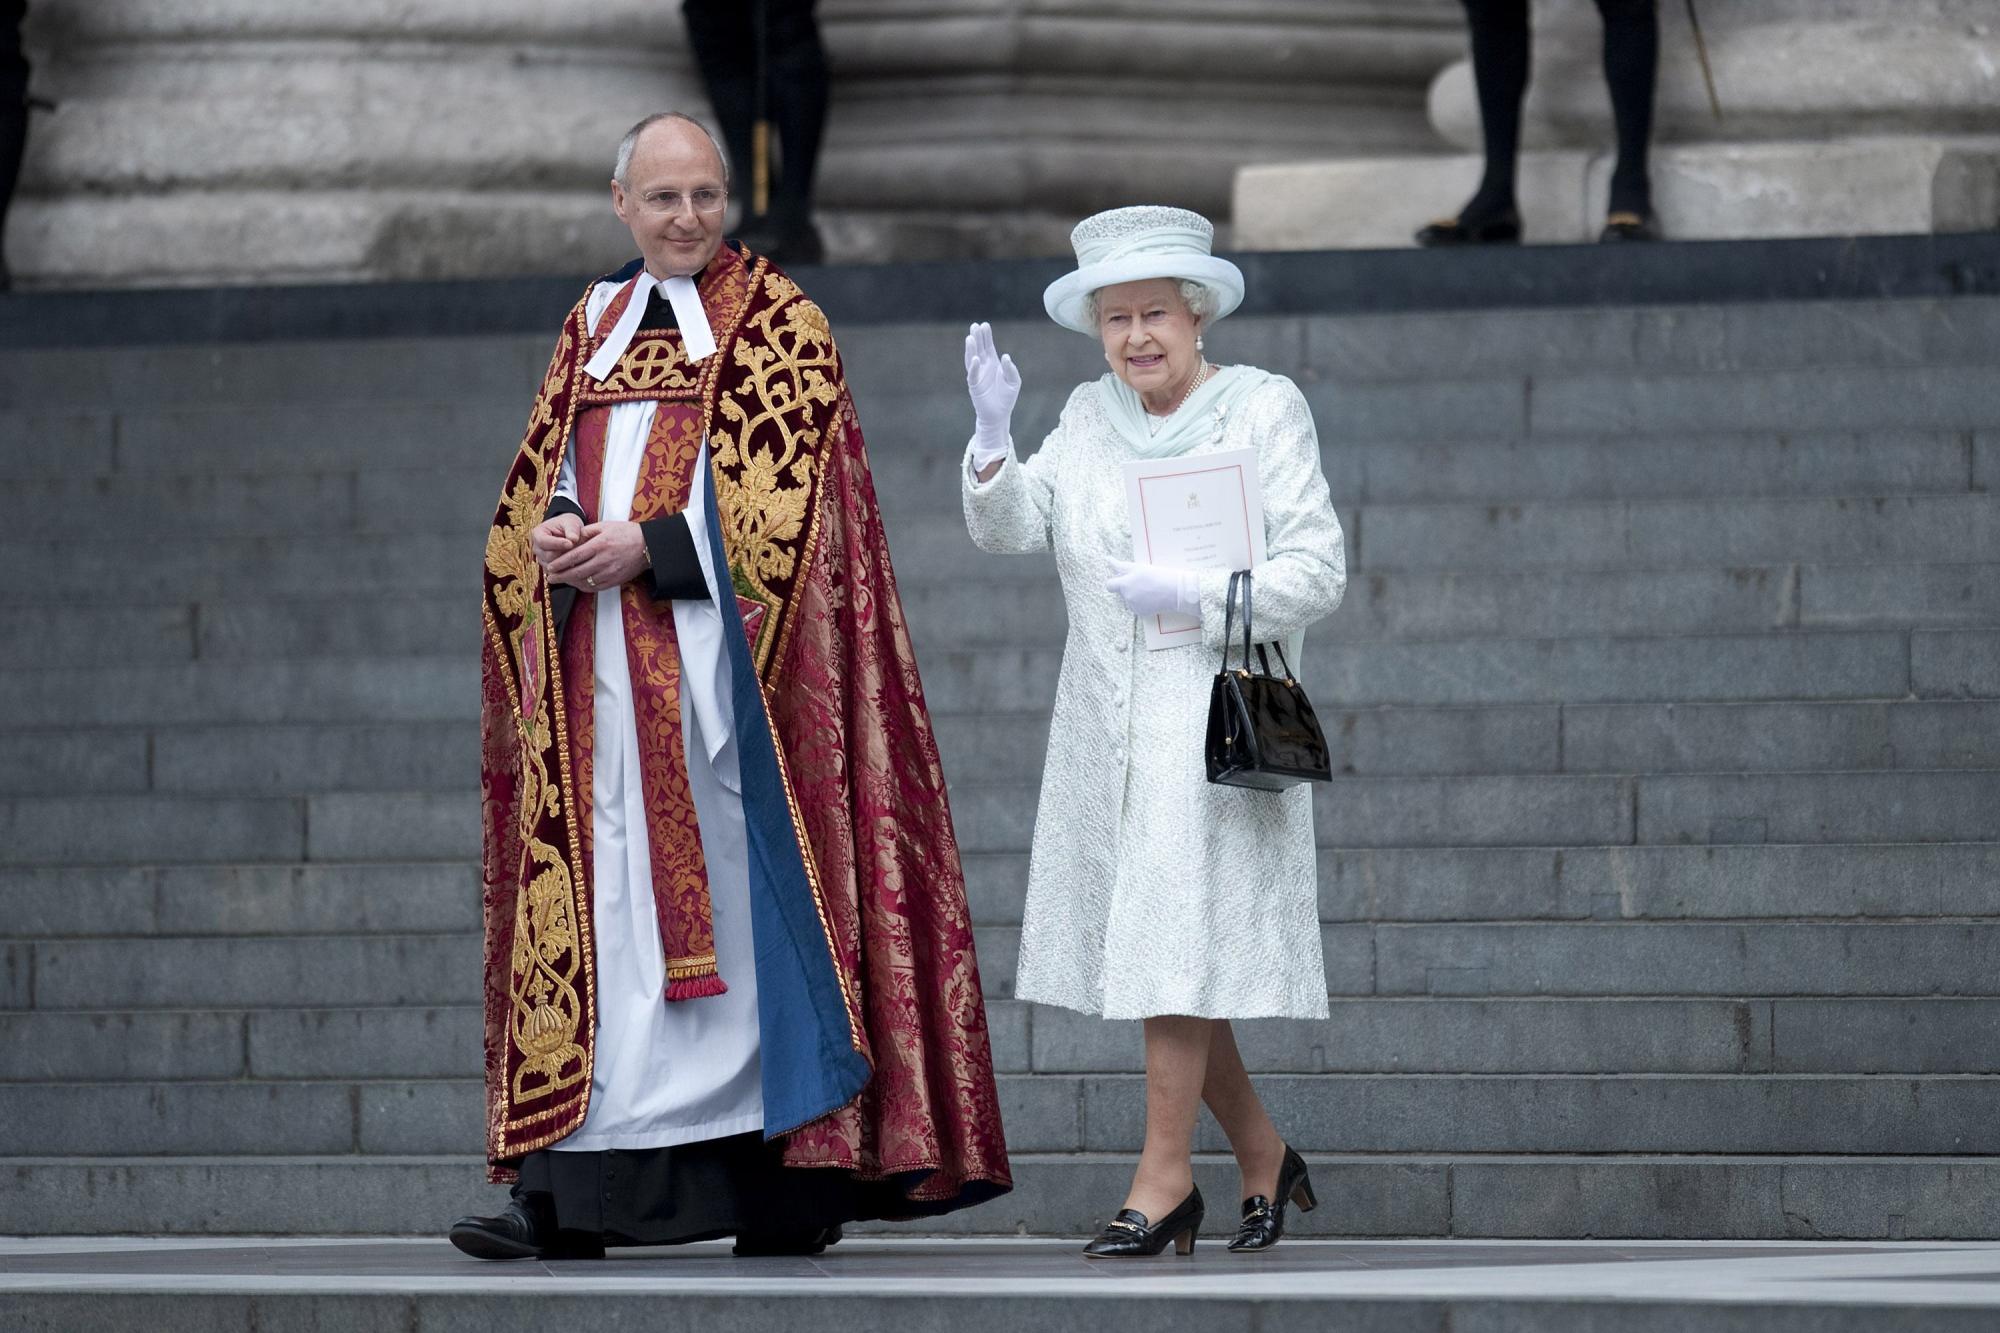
1264,1223
774,1244
1130,1235
519,1234
1503,229
1629,227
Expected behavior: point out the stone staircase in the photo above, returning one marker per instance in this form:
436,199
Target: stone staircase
1660,883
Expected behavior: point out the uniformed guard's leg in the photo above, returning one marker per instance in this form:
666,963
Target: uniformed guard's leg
1501,51
13,110
1631,67
723,40
800,87
1500,57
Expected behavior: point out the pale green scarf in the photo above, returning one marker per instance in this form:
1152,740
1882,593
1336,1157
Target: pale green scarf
1192,422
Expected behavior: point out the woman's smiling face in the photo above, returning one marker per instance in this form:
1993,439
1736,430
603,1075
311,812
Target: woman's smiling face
1149,338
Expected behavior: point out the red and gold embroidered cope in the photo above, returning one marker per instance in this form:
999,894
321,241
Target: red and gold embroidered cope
809,566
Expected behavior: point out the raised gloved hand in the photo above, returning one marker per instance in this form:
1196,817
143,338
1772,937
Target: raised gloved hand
994,385
1151,589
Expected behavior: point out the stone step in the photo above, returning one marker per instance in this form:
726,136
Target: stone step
391,492
1400,605
314,374
310,690
252,758
925,357
1745,882
266,441
1713,533
417,898
1816,398
308,758
1926,664
1528,1196
1574,738
1904,881
1557,1035
1660,535
239,973
1029,610
1504,404
1629,958
1659,468
1505,810
1580,468
1512,958
988,1284
1433,1113
1874,664
1669,534
126,829
480,434
1537,810
1363,1036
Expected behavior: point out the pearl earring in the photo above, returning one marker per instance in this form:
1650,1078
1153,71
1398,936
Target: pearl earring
1198,344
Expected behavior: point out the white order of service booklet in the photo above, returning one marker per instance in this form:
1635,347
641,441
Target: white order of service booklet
1197,511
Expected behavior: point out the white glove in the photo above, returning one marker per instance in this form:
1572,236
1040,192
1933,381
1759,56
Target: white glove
1150,589
994,385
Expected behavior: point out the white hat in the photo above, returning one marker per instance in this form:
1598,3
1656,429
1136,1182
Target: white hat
1134,244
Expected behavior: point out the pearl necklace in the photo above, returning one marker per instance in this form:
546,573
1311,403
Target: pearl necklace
1200,376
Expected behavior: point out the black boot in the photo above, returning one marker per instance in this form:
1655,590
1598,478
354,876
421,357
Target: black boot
1130,1235
1263,1222
522,1231
788,244
1473,228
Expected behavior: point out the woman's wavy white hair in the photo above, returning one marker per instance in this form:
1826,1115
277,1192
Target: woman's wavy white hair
1200,302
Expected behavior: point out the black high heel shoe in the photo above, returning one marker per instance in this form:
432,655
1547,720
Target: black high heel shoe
1130,1235
1263,1224
1501,229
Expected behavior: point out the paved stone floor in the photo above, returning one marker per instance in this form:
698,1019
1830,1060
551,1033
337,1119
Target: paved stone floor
1904,1273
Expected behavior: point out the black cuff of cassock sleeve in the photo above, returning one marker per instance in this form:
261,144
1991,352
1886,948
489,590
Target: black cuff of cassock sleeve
676,569
562,504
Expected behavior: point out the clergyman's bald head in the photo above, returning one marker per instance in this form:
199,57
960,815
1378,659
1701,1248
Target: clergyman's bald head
622,171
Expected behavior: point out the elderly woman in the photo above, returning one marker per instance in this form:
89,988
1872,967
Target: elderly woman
1153,893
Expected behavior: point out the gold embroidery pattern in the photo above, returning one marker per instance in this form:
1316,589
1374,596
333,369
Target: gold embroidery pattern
765,435
769,398
549,959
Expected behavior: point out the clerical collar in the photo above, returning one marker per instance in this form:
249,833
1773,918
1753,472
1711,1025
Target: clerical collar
685,299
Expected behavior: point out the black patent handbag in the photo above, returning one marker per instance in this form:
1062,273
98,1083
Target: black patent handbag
1262,731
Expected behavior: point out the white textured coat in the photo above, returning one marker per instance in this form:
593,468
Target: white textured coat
1152,890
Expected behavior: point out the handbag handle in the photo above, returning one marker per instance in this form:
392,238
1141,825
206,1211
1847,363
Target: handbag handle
1236,576
1228,629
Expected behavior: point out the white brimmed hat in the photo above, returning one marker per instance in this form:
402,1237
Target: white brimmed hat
1134,244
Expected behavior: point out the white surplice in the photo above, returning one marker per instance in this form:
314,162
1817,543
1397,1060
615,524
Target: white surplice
679,1072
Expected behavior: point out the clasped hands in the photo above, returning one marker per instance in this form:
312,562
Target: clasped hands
589,556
